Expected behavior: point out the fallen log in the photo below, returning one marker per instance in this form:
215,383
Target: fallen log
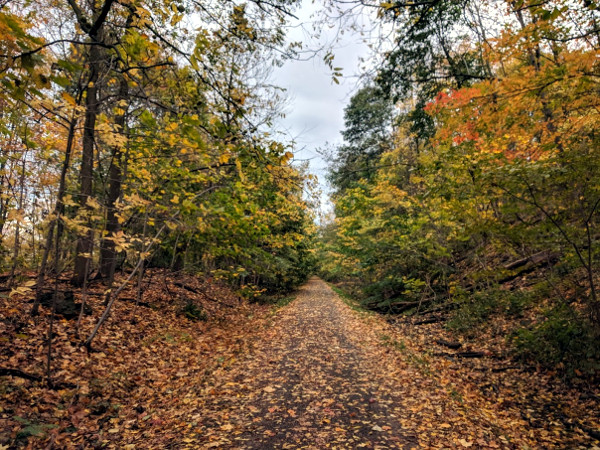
452,345
461,354
443,308
397,307
495,369
535,259
592,433
432,320
187,288
5,371
528,265
470,354
133,300
202,293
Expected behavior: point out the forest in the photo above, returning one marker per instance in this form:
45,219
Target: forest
467,188
154,227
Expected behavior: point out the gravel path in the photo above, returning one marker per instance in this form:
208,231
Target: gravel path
312,382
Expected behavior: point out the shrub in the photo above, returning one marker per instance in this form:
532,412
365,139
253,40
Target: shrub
473,309
564,341
193,312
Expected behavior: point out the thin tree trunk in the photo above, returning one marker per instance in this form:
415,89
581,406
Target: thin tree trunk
52,314
3,203
175,252
84,296
5,200
84,242
145,250
113,296
141,272
108,254
59,209
17,242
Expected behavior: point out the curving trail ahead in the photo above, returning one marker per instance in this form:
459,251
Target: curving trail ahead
314,381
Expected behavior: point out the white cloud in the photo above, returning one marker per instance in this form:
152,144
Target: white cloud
315,111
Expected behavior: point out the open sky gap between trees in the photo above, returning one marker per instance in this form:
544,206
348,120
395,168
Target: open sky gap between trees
153,215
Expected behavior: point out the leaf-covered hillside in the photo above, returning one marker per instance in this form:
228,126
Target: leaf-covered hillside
466,191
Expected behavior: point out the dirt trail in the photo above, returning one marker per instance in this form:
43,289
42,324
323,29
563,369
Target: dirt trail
313,382
315,374
324,376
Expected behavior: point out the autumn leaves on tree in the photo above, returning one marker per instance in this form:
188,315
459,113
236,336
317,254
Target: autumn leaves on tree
488,173
133,135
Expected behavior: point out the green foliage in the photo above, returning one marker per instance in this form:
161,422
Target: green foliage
489,176
32,428
177,171
564,340
283,301
193,312
350,300
367,120
473,309
428,55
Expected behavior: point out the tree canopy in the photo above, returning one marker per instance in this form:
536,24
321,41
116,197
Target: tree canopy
487,192
134,136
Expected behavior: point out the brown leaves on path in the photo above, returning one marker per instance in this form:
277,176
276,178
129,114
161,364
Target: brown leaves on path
316,375
325,376
309,384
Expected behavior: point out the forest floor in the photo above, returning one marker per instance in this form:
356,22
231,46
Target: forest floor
327,375
316,373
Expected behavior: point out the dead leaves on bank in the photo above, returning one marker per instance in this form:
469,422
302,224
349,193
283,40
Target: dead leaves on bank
138,386
526,407
315,375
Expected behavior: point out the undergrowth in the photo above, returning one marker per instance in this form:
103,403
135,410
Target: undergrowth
556,337
561,340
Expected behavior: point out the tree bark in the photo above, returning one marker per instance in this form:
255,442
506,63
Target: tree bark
108,254
85,239
17,243
96,61
59,209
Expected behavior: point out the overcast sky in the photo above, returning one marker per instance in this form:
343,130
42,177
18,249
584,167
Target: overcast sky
315,107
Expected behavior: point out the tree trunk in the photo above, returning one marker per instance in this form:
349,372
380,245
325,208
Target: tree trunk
108,254
3,201
58,212
17,243
85,240
178,262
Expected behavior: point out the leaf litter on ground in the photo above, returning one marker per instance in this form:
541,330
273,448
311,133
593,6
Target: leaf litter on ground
312,374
